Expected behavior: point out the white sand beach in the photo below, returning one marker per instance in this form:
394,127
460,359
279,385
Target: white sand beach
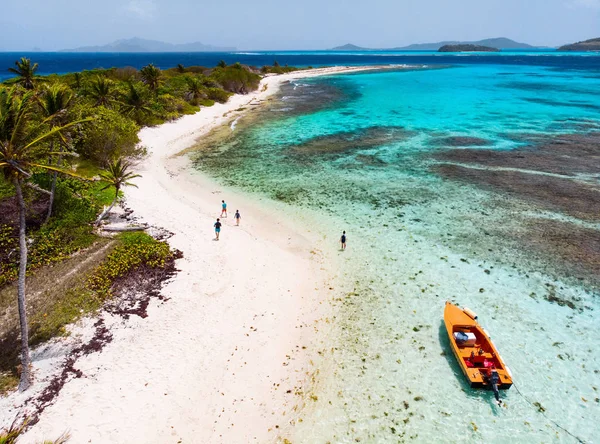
220,360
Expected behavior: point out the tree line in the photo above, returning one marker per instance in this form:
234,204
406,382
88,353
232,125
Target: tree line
50,126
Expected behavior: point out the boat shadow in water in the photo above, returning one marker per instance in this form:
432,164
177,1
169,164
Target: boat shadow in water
479,394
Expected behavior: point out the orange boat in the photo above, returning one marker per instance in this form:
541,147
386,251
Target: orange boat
476,354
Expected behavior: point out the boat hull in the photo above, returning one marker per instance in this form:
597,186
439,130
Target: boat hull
476,358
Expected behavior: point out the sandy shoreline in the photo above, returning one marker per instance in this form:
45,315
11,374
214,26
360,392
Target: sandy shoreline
223,359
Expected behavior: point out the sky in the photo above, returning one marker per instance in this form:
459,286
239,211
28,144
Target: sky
299,24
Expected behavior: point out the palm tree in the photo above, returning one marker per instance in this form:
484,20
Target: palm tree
180,68
151,76
101,91
25,72
20,138
54,102
195,88
117,174
135,102
222,64
77,80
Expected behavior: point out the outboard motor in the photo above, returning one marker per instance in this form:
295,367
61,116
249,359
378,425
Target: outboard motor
493,381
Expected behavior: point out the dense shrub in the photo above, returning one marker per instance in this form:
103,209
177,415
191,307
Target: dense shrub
169,107
217,94
123,74
111,135
236,79
278,69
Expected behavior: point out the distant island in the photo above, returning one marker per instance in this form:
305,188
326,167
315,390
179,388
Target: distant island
142,45
500,42
586,45
467,48
349,47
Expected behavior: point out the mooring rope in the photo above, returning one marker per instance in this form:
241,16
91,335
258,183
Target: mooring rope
543,412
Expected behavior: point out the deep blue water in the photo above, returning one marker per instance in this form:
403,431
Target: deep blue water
62,62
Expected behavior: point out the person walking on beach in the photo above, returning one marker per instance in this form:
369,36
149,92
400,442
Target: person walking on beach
217,228
237,217
223,209
343,240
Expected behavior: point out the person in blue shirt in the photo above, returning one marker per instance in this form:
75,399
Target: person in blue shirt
217,229
237,217
223,209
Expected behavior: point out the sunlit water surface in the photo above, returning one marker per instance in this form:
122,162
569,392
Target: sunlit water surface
354,151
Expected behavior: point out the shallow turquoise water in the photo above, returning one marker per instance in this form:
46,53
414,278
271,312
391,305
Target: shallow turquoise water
355,151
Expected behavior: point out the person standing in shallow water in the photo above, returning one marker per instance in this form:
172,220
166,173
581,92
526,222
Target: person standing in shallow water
237,217
343,240
217,229
223,209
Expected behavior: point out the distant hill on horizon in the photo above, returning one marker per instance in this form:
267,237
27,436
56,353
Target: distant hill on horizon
586,45
467,48
499,42
142,45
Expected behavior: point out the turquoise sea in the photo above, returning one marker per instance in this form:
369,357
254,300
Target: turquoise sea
365,153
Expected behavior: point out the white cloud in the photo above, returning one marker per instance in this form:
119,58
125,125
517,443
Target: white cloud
142,9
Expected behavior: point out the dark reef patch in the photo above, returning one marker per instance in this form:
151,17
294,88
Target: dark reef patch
570,104
564,195
547,88
348,141
532,175
573,125
313,96
576,247
460,141
370,160
566,154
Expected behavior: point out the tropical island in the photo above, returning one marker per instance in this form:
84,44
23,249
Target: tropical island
66,147
467,48
498,42
137,44
71,146
586,45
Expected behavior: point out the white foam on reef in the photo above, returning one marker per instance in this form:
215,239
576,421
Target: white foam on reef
234,123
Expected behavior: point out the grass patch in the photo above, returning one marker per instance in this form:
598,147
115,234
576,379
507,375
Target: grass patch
10,435
135,249
206,102
61,294
69,230
6,188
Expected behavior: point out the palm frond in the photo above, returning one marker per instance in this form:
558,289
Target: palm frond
62,153
56,169
54,131
21,112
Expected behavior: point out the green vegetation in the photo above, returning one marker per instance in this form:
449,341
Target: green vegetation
278,69
65,141
92,287
117,175
10,435
135,249
68,232
25,72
